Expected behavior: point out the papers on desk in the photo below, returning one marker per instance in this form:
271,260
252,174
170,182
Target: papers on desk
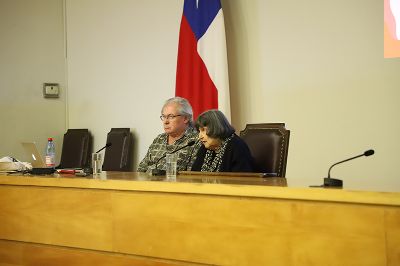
9,164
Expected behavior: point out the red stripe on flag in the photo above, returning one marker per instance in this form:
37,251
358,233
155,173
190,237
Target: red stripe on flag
192,79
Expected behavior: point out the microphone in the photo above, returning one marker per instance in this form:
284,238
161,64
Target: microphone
88,170
106,146
332,182
156,171
190,158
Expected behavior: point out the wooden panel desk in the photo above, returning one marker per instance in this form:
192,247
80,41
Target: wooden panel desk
135,219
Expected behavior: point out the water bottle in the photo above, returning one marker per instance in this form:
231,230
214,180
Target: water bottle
50,153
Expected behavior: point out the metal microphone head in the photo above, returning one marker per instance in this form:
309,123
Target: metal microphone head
369,152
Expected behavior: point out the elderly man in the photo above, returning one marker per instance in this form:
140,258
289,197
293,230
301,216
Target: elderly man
177,118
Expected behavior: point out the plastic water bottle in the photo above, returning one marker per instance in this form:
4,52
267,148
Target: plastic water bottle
50,153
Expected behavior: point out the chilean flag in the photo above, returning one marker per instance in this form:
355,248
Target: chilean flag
202,68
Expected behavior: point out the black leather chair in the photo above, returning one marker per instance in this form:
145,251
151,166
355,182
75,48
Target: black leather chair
117,156
76,149
269,144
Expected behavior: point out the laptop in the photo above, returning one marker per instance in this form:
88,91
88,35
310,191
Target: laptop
35,158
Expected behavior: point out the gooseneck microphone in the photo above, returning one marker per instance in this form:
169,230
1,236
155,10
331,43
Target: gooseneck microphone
156,171
89,170
190,157
333,182
106,146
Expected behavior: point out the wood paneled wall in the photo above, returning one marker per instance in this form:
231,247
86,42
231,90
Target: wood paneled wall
192,228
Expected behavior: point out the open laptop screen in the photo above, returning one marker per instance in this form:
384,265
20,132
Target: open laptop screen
35,158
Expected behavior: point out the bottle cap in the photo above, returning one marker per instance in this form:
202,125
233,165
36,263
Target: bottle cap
50,139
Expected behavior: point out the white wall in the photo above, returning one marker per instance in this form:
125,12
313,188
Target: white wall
319,67
121,66
31,53
315,65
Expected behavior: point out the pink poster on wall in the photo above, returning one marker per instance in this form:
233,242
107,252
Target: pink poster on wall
391,28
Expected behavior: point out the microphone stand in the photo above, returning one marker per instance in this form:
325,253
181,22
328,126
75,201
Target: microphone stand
337,183
333,182
89,170
106,146
157,171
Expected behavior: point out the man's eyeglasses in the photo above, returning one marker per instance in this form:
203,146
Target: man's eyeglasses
168,117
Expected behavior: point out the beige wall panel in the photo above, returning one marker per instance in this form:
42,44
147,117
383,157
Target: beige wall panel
32,52
288,61
318,66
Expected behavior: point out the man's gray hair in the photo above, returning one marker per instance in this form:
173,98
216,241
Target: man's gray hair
216,123
184,107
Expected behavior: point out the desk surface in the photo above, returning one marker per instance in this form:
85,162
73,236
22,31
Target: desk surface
205,219
227,185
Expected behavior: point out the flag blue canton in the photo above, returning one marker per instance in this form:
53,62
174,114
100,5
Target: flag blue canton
200,14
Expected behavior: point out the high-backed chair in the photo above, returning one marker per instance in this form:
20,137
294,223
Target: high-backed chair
117,156
269,144
76,149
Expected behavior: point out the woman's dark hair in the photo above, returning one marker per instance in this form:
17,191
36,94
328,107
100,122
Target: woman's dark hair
216,123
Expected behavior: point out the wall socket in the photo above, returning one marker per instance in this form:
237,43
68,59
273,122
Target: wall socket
51,90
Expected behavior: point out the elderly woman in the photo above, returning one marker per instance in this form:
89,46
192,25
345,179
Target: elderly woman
222,149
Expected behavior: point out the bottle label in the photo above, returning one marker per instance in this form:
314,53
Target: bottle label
50,162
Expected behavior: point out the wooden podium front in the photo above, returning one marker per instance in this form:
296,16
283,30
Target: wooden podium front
135,219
